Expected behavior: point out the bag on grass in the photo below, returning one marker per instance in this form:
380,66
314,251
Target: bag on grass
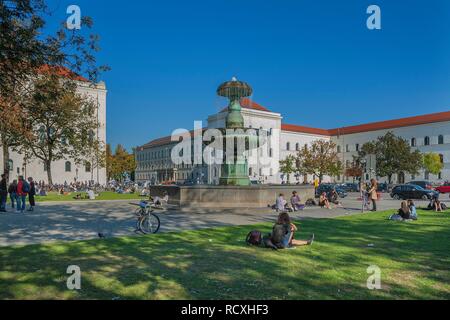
254,238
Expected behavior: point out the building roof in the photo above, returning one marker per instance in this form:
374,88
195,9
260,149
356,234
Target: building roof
63,72
373,126
391,124
163,141
250,104
303,129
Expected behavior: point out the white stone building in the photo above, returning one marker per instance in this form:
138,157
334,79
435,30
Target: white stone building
428,133
66,170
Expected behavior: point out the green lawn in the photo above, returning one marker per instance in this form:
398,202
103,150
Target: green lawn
216,264
107,195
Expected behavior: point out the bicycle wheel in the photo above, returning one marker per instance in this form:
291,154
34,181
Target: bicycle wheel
150,224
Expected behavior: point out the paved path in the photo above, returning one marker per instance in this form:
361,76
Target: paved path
83,220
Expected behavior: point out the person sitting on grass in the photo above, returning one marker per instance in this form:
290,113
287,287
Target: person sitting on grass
412,210
334,198
283,233
280,204
323,201
295,202
404,211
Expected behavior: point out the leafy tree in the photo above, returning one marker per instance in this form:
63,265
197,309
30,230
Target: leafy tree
432,162
287,166
320,159
25,48
109,162
121,163
62,122
393,155
355,170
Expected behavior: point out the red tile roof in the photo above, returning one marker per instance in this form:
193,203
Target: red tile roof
63,72
391,124
303,129
250,104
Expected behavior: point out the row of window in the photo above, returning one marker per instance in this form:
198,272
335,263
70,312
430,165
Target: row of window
427,141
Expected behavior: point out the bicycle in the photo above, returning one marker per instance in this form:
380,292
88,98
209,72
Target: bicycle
147,222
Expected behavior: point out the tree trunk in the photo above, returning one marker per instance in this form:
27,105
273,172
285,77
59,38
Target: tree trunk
390,178
5,157
49,172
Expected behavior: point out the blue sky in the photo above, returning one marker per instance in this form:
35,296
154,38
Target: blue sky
313,61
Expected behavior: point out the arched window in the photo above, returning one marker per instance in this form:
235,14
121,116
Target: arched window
297,147
427,141
413,142
68,166
288,146
87,167
441,139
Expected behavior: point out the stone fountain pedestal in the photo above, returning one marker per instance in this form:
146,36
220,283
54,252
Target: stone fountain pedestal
205,196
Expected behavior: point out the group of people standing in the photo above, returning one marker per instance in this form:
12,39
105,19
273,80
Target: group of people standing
369,193
18,191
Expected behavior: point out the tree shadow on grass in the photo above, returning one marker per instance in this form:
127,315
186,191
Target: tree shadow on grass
217,264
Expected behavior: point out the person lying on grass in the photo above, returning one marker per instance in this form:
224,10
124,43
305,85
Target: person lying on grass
283,233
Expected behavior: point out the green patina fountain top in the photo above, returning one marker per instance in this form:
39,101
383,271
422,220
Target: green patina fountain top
235,174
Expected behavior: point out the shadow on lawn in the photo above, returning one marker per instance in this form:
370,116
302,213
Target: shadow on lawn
189,265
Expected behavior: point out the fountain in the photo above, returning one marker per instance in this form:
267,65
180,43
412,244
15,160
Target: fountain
234,189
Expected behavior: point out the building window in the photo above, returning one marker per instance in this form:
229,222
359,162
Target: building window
288,146
442,158
297,147
357,147
413,142
441,139
10,165
250,171
260,172
271,152
427,175
68,166
440,176
427,141
87,167
347,148
339,149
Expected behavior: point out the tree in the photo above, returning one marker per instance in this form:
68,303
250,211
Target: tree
320,159
287,166
355,170
393,156
432,162
121,163
62,122
109,162
25,48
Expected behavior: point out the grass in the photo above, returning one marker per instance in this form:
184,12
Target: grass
217,264
107,195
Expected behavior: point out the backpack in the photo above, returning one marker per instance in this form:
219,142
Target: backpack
310,203
443,206
254,238
26,187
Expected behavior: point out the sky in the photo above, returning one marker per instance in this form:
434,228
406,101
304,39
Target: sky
313,61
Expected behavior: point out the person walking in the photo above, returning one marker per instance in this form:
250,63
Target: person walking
3,193
31,194
373,194
12,190
22,191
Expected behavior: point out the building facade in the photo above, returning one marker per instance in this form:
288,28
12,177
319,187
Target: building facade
66,170
427,133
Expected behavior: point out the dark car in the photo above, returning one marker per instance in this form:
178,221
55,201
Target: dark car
349,187
424,184
328,187
410,191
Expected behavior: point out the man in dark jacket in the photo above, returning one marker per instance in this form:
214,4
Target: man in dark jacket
31,194
3,193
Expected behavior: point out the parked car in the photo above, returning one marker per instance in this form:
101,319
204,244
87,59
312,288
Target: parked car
424,184
410,191
445,188
328,187
349,187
